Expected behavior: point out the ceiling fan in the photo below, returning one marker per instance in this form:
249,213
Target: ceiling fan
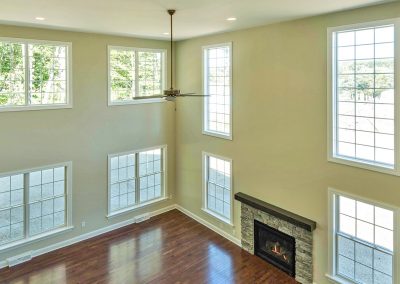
170,94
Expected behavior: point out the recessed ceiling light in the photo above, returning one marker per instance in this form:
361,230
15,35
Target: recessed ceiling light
166,33
40,18
231,19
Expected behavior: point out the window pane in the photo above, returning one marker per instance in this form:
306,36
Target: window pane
346,267
365,75
363,273
384,218
347,206
47,73
12,74
368,252
218,186
383,262
122,182
364,254
11,208
150,73
384,238
122,74
151,174
217,78
46,200
346,247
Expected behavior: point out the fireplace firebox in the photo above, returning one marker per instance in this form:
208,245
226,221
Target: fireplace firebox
275,247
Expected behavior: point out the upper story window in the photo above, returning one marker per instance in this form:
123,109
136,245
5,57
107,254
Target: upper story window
363,241
34,74
34,204
135,179
217,191
363,96
217,80
135,72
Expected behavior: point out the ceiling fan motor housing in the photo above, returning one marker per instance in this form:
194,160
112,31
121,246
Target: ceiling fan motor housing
172,92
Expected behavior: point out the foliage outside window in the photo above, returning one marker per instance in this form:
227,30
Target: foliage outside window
135,73
363,95
33,74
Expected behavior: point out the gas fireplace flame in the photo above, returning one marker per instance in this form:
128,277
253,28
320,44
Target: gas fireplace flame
277,250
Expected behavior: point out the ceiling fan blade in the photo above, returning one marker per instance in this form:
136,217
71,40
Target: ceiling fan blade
149,97
192,95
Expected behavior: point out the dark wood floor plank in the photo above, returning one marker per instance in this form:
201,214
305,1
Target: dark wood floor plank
169,248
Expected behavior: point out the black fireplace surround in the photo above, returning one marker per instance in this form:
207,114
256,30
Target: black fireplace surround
275,247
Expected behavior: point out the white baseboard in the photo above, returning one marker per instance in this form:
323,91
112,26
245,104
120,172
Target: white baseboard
210,226
90,235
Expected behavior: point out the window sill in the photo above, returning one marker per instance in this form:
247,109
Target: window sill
136,102
36,238
220,218
337,279
139,206
364,165
218,135
35,107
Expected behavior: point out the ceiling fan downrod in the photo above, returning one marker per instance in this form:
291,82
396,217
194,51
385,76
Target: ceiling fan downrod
171,91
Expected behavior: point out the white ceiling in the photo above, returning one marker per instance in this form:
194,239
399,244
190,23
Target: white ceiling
148,18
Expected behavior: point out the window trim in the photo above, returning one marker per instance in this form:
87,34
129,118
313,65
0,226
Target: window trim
69,97
205,131
332,221
68,216
164,186
205,156
331,105
136,49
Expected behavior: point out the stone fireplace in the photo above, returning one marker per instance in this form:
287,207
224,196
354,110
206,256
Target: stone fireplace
281,238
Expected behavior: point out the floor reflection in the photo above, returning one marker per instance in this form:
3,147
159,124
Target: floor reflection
220,265
51,275
137,259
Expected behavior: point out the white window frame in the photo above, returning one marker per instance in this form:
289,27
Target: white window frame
164,187
136,49
68,198
205,156
206,131
332,220
68,74
331,105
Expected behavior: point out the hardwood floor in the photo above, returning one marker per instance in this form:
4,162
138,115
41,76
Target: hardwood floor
169,248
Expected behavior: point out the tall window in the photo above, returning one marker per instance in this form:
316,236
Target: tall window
34,75
135,72
363,95
217,60
363,241
34,203
217,195
135,179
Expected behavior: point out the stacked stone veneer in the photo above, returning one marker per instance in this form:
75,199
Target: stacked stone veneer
304,266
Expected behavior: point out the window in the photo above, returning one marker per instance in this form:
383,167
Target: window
218,86
136,179
135,72
363,240
34,74
362,104
217,196
34,204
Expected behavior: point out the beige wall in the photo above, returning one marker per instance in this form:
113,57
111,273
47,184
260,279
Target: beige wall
87,133
279,146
